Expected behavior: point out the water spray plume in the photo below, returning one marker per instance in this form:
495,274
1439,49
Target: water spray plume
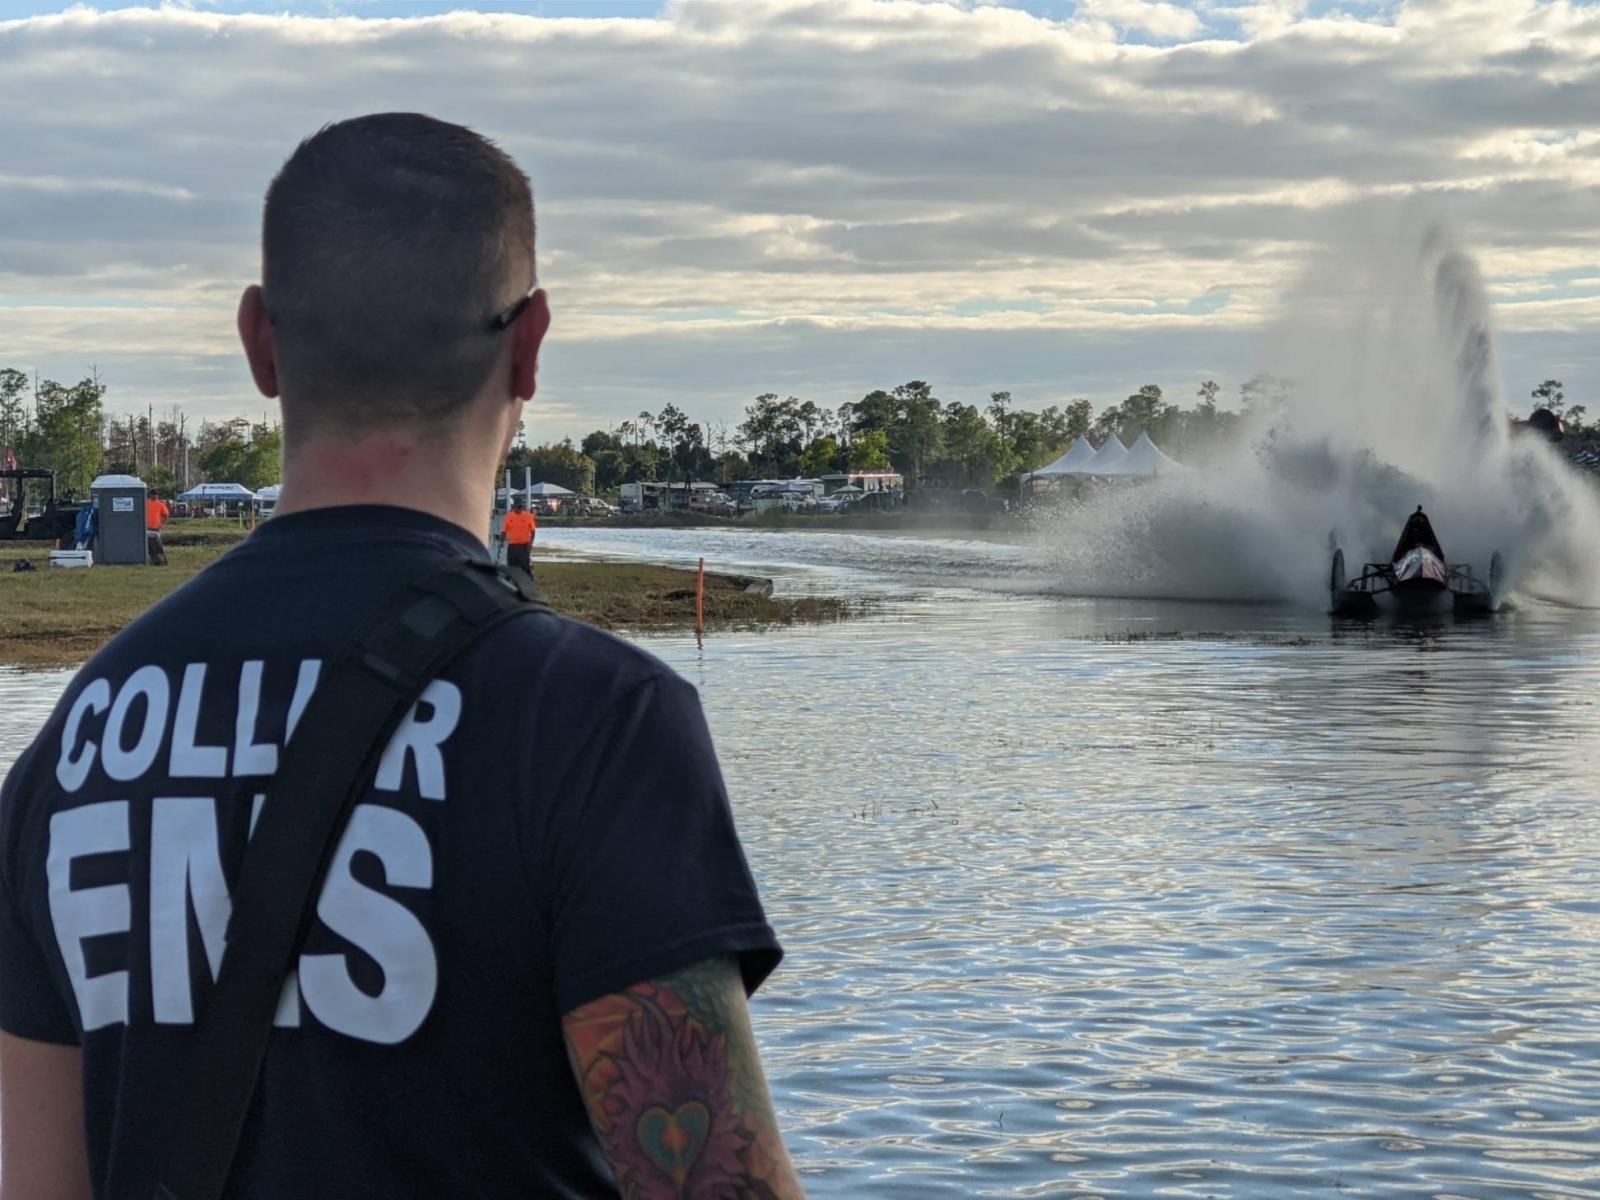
1390,398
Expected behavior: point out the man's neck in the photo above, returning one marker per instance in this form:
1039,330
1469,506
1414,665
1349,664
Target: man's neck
399,468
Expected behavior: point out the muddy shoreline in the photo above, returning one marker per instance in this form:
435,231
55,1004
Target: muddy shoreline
52,618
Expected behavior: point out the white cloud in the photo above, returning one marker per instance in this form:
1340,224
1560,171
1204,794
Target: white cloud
775,193
61,183
1147,16
1261,18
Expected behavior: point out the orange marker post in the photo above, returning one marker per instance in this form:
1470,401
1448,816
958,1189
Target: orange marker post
700,599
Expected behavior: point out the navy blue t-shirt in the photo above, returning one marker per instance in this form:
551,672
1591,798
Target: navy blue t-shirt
549,825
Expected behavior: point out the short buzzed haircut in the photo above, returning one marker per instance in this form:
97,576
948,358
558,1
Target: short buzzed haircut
389,245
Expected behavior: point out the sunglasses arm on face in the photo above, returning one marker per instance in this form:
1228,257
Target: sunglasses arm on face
505,320
499,323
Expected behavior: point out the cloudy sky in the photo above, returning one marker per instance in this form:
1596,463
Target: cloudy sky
818,198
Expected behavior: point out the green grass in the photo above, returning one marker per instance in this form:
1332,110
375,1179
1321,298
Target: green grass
54,617
641,596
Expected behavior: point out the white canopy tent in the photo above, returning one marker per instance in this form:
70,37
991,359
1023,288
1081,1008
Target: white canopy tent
553,491
218,491
1074,462
1108,459
1145,458
269,494
1112,461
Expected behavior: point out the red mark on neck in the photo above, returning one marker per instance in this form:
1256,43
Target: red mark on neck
362,465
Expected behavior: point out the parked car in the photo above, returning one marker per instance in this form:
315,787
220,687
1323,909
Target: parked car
716,504
795,502
876,502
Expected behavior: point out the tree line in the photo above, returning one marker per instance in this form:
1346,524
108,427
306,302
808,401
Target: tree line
64,427
908,429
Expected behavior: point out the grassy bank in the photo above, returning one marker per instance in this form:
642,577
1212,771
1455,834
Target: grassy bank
53,617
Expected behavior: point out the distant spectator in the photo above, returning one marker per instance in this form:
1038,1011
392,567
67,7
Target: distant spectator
520,528
156,512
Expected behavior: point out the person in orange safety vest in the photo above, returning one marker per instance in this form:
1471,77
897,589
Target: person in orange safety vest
520,528
156,512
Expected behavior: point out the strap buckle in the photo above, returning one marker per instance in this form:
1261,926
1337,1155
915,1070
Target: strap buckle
401,651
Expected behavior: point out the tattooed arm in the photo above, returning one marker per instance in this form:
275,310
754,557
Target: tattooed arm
673,1083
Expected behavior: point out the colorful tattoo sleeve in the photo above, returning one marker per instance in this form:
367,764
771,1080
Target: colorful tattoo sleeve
673,1083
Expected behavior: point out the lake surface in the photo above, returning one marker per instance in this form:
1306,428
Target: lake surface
1145,899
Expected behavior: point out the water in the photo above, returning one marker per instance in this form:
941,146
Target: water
1243,905
1269,908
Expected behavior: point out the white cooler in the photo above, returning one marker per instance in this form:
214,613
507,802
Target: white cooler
71,558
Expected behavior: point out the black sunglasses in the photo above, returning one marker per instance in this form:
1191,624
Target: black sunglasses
505,320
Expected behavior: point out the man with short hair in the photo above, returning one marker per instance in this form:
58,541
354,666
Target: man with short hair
156,513
519,530
528,968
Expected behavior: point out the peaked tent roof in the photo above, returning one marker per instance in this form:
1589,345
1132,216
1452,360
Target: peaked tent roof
538,489
1144,457
1074,462
217,491
1108,459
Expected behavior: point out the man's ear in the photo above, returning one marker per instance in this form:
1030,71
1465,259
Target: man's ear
260,350
528,335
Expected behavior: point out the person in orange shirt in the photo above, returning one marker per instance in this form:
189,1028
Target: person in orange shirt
156,513
520,528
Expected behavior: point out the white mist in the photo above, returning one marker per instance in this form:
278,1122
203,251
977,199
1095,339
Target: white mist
1394,401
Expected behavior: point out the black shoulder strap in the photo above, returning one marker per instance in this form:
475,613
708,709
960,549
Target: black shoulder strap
360,698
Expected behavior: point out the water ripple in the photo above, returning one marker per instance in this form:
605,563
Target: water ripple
1266,908
1255,908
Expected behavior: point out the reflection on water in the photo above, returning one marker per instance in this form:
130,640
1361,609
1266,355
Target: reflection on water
25,703
1075,908
1079,903
1172,918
